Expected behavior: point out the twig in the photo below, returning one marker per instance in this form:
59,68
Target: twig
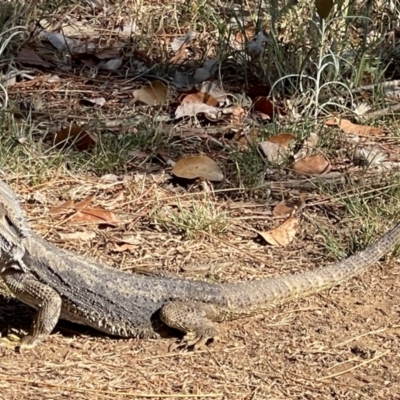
355,367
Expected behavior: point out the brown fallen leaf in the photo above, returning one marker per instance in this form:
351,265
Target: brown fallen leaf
312,165
247,35
287,207
76,135
65,208
96,215
153,94
283,139
193,167
283,234
353,129
80,212
214,89
28,56
200,97
264,106
323,7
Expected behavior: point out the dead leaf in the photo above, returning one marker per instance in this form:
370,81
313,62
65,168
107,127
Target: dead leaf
286,208
178,42
186,80
312,165
238,115
153,94
179,45
274,152
283,139
110,65
64,208
211,66
80,212
256,46
200,98
214,89
283,234
84,236
192,109
353,129
76,135
28,56
200,75
246,35
96,215
263,105
61,42
323,7
193,167
80,205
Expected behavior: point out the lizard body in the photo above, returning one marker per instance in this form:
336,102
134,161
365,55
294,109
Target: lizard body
61,284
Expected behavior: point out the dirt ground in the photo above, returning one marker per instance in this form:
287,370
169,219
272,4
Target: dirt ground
342,344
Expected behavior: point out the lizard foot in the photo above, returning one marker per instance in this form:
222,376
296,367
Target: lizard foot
195,319
15,342
194,341
11,341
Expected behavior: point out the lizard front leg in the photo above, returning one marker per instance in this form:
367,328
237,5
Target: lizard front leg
43,298
193,318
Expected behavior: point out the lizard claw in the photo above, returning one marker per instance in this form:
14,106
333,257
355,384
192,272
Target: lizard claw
14,342
11,341
193,341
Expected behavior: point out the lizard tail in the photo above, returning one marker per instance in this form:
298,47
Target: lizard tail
254,297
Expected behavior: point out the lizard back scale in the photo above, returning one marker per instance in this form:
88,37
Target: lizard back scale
63,284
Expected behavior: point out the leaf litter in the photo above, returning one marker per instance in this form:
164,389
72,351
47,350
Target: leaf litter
81,213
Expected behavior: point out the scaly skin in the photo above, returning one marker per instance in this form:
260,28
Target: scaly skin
62,284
